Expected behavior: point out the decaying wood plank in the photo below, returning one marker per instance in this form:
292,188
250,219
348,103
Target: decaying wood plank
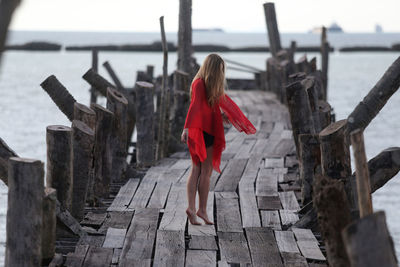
267,183
231,175
289,201
288,217
98,256
124,196
248,205
116,219
77,257
94,219
228,215
233,247
170,248
203,242
114,238
286,242
200,258
269,203
310,250
143,193
270,219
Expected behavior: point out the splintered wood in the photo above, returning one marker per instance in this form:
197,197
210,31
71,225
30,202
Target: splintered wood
252,202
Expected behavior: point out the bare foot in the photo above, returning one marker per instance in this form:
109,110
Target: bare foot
192,217
204,217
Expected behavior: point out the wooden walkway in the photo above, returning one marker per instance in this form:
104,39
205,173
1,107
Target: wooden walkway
253,204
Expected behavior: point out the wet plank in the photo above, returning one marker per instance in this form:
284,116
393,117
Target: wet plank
196,258
289,201
124,196
263,247
231,175
170,248
271,219
233,247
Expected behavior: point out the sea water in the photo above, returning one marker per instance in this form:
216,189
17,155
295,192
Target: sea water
26,110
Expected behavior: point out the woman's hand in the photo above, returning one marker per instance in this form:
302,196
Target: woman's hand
184,136
225,118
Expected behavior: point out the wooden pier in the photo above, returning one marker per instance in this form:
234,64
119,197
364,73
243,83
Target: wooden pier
253,203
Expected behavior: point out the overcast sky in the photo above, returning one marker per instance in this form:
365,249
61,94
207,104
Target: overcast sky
231,15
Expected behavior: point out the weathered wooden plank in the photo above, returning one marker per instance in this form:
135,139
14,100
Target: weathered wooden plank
98,256
205,229
159,195
267,183
233,247
310,250
215,175
140,238
76,258
248,205
244,150
251,170
116,220
114,238
286,241
170,248
274,162
291,161
259,146
196,258
143,193
182,164
289,201
227,194
94,219
288,217
270,219
231,175
269,203
304,235
124,196
228,215
203,242
116,255
291,259
263,247
91,240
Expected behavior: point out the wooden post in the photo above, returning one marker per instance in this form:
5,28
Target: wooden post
102,151
179,109
293,48
25,212
324,60
362,173
309,87
164,95
368,242
49,225
113,76
60,95
317,75
95,63
272,27
82,140
145,147
299,111
97,81
333,211
59,162
324,110
150,71
335,152
310,164
374,101
118,105
302,65
85,114
185,48
5,153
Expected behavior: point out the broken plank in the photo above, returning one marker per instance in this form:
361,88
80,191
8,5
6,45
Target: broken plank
286,241
233,247
196,258
114,238
141,235
231,175
124,196
170,248
289,200
263,247
271,219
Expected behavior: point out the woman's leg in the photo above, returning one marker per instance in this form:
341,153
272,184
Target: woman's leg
191,188
204,185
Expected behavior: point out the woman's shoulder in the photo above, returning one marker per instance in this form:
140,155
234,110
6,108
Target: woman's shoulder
198,81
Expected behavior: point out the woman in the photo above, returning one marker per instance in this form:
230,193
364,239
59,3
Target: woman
204,131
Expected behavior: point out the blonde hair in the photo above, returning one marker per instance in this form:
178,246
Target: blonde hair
213,73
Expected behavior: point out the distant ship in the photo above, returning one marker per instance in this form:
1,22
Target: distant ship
378,28
334,27
208,30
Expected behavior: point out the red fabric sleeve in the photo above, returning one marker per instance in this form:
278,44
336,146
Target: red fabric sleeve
236,116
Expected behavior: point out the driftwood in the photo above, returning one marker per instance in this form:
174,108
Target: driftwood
82,141
145,147
84,114
95,67
179,109
49,224
310,164
25,212
185,48
368,242
299,111
102,151
59,162
374,101
60,95
272,27
333,212
113,75
5,153
118,105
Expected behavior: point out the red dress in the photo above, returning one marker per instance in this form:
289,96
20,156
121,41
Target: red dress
201,117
